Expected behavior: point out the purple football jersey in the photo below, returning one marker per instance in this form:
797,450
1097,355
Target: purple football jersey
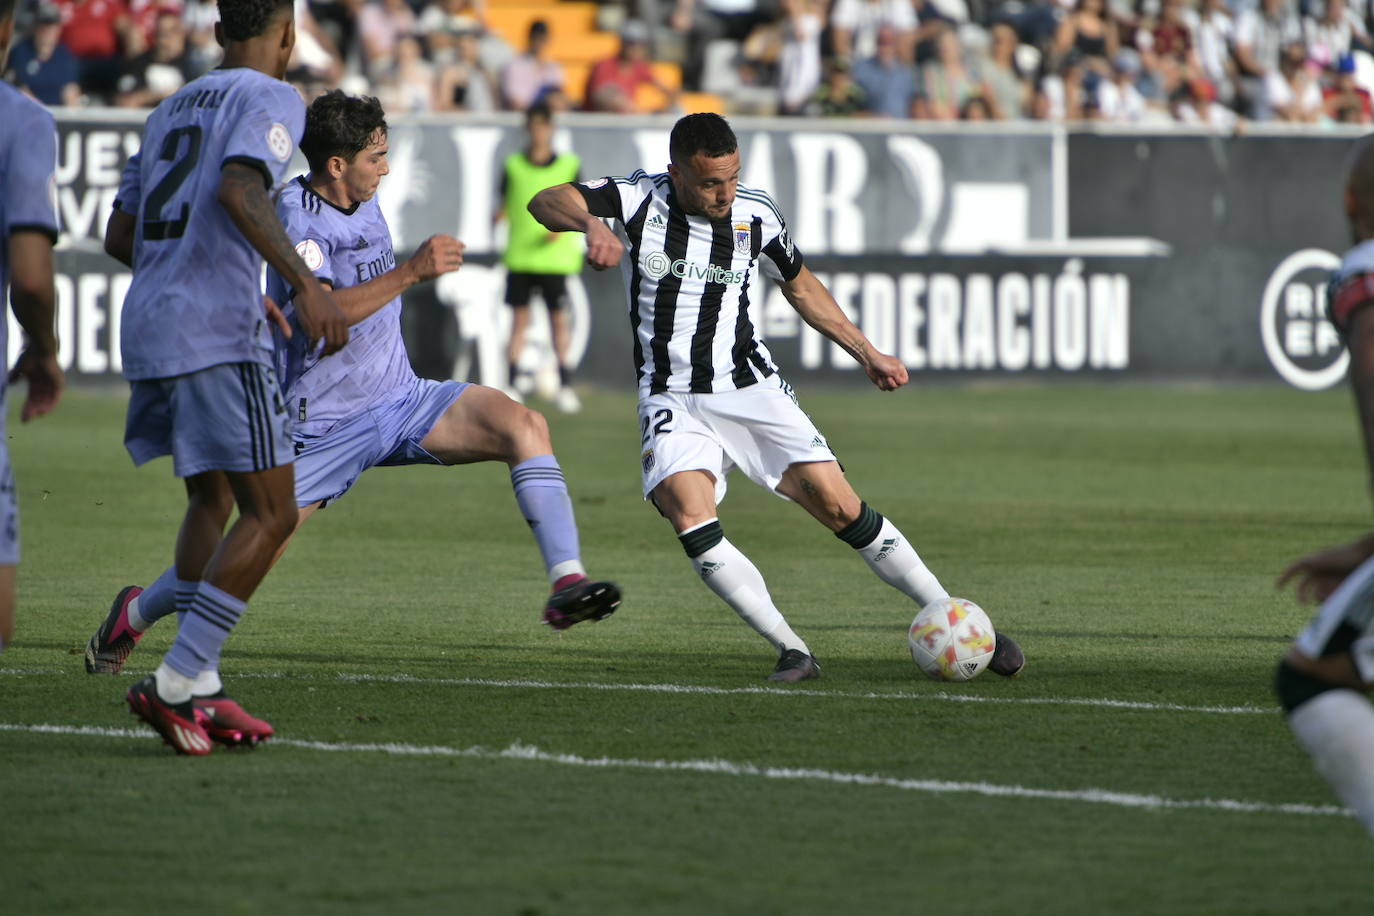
196,297
28,157
342,248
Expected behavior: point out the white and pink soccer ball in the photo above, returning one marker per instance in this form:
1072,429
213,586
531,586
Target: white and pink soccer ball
952,639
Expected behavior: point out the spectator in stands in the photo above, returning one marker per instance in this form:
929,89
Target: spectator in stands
1119,96
888,82
1089,33
41,65
528,75
408,84
1008,94
1343,101
1195,103
314,59
976,108
839,95
338,19
613,83
799,61
1213,32
463,84
1061,96
1337,30
946,81
1291,93
381,24
855,24
705,21
1260,36
200,17
445,18
159,71
94,31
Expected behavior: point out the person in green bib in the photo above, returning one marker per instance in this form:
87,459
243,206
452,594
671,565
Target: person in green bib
536,258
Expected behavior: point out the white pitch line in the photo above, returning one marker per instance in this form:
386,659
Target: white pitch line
1091,702
730,768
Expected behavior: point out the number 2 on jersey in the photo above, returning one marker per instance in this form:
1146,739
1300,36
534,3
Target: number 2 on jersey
155,228
664,416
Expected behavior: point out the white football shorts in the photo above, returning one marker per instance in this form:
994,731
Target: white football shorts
760,429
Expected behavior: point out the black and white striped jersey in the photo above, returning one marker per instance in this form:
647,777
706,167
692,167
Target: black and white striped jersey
691,281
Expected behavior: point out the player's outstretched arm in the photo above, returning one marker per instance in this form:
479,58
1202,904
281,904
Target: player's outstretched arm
562,208
820,310
119,236
439,254
34,301
243,194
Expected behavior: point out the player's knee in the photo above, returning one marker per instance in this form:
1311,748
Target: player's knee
1295,687
279,522
529,433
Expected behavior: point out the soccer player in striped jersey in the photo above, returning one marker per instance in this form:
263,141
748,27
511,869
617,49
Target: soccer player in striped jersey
195,221
28,229
1324,680
710,396
364,407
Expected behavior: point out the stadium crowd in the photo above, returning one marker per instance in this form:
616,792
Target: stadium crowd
1204,62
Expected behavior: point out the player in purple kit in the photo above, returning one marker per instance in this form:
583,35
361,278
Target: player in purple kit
28,228
364,407
195,220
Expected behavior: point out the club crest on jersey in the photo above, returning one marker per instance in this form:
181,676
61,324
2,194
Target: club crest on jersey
311,254
279,141
744,238
594,184
646,460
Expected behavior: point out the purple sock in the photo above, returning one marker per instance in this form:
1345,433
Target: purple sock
203,631
185,594
543,497
157,600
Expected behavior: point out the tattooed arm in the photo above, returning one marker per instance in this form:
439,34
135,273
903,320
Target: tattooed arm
243,194
818,308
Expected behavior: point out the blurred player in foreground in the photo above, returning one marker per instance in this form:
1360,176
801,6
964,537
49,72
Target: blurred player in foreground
364,407
1323,680
28,229
195,221
710,397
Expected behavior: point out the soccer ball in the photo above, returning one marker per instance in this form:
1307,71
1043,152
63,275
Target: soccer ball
952,639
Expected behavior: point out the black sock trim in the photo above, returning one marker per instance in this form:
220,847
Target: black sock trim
699,540
1296,688
863,530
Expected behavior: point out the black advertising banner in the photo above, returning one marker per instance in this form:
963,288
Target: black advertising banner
1031,252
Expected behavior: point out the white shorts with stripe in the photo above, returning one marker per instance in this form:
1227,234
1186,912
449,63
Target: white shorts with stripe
1352,604
759,429
228,417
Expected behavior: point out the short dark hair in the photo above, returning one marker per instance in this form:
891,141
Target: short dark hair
241,20
539,111
701,133
7,9
338,124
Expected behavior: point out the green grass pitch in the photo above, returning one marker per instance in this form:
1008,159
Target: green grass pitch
441,752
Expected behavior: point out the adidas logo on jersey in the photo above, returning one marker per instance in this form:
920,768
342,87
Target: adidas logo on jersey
360,244
656,220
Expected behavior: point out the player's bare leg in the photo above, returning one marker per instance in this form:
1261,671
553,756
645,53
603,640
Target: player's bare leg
267,517
821,489
486,425
7,603
559,325
136,609
687,499
519,326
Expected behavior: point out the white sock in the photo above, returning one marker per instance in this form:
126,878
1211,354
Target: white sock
207,683
1336,728
891,556
173,686
729,574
